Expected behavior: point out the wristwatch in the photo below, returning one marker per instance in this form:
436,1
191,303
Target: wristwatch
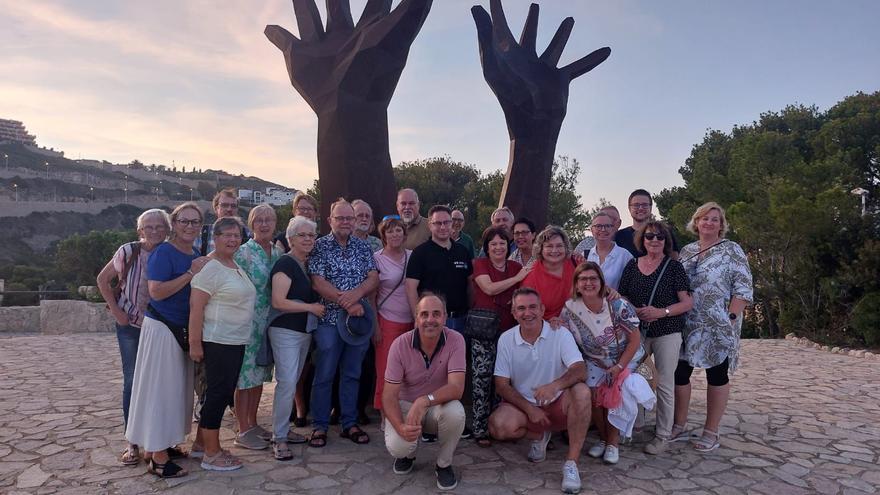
430,399
666,310
732,316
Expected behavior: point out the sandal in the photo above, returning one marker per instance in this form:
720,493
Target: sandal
282,452
295,438
318,439
356,435
682,434
130,456
176,453
708,442
166,470
484,441
197,451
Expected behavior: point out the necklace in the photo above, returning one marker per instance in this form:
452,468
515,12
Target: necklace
502,268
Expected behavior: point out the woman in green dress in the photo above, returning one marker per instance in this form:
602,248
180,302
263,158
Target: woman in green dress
257,257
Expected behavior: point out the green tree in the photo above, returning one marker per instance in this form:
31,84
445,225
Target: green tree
80,257
785,181
565,207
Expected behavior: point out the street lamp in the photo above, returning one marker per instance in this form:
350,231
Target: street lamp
15,187
92,193
190,194
47,170
864,194
6,156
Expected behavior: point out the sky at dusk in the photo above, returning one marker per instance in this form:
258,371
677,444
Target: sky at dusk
197,83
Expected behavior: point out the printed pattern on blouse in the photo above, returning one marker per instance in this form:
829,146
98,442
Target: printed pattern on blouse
254,261
722,273
344,267
605,350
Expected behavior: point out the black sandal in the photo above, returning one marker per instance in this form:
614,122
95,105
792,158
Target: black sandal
176,453
318,439
167,470
356,435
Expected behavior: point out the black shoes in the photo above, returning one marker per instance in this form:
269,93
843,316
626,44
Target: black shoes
446,478
403,465
429,438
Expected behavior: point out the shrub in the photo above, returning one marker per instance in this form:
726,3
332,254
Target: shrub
865,318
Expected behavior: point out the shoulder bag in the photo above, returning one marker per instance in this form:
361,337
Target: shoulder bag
643,326
180,333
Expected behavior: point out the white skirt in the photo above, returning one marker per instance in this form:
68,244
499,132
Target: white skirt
160,415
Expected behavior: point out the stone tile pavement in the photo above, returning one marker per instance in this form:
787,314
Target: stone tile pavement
800,421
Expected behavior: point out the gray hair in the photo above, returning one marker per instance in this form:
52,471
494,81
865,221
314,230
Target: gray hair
548,233
297,222
358,202
154,212
503,209
224,223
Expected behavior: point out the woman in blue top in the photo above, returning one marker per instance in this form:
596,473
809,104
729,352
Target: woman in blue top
162,392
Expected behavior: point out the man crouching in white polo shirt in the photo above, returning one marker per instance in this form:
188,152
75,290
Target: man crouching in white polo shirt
424,380
540,375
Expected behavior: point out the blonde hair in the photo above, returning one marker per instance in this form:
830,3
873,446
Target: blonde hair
548,233
258,210
176,213
703,211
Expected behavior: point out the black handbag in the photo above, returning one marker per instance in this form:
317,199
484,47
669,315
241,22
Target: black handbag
181,334
481,324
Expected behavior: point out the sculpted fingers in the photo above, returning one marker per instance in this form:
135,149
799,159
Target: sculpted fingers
588,63
339,16
554,50
308,20
530,30
280,37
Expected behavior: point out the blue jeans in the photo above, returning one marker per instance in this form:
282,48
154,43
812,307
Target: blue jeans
457,323
332,353
128,337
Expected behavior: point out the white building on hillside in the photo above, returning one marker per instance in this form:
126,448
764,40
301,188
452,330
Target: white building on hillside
277,196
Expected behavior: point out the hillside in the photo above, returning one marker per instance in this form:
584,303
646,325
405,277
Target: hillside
39,177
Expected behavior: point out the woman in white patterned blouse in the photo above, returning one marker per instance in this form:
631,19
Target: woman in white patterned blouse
722,287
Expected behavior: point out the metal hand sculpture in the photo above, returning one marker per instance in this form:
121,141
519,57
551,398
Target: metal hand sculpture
533,94
347,73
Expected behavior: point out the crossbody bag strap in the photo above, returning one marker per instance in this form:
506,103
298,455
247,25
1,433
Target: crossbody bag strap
722,241
399,282
657,282
129,261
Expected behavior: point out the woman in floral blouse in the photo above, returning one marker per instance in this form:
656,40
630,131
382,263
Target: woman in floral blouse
607,333
722,287
257,257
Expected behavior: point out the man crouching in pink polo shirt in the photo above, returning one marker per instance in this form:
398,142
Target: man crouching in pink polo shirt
424,380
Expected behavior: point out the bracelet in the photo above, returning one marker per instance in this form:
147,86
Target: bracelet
619,366
191,274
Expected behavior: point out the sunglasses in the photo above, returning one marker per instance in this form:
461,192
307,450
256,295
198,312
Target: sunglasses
650,236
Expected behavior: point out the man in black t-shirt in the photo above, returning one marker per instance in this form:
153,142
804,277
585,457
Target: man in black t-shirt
441,266
640,204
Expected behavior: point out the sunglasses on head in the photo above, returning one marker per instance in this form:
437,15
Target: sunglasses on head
651,236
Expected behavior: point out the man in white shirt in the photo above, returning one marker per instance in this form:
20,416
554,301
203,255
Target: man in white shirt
606,253
540,375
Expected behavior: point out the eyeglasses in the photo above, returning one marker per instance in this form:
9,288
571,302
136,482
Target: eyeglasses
650,236
521,233
592,278
304,208
344,219
230,235
228,205
305,235
189,223
443,223
157,228
265,220
640,206
365,216
391,217
602,226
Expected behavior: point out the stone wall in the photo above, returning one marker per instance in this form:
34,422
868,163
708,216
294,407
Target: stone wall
56,318
62,317
19,319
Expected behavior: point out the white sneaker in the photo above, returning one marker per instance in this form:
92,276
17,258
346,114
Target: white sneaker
611,455
538,452
571,478
597,450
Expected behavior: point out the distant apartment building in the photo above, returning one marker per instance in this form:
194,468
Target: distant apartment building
274,196
15,132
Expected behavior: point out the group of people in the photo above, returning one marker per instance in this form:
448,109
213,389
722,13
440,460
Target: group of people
542,336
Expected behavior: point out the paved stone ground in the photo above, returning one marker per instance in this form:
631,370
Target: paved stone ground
799,421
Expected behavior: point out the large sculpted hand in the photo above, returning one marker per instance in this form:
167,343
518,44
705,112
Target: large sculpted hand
347,74
362,61
533,93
